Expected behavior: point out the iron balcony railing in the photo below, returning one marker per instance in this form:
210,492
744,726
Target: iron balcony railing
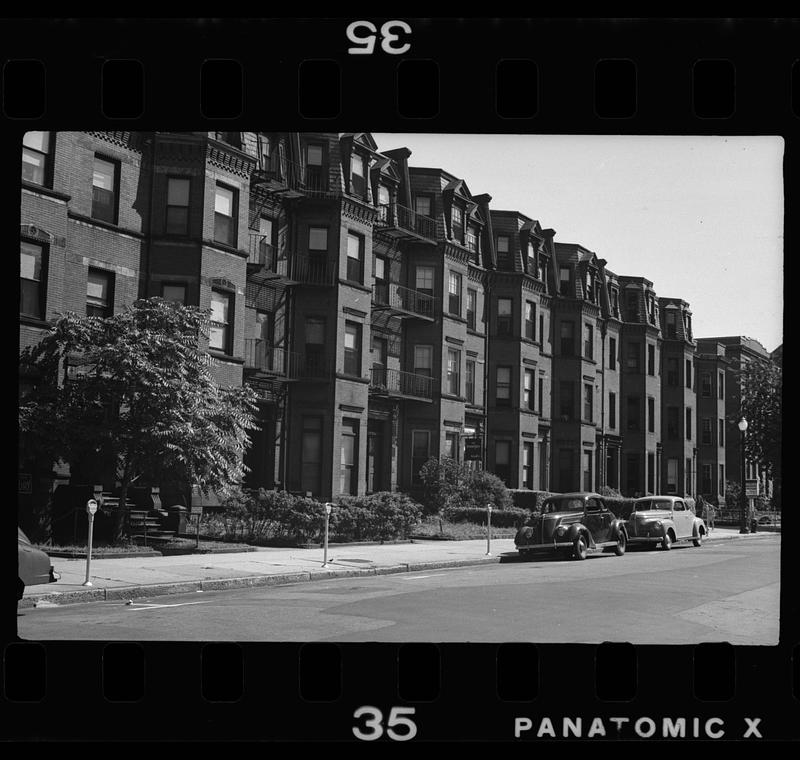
261,254
396,382
261,356
395,216
394,296
308,269
310,179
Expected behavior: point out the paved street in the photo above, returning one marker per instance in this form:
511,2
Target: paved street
726,591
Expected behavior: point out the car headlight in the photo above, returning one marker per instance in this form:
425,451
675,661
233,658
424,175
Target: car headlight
561,530
658,524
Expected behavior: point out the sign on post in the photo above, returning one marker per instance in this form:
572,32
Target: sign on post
473,450
751,488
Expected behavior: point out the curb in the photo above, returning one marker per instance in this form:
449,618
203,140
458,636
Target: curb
119,593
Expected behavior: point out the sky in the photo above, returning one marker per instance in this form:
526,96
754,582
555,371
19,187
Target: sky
701,217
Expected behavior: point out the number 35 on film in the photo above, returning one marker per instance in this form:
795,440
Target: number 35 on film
364,35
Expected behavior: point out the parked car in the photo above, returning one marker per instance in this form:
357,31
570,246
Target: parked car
664,520
34,565
573,524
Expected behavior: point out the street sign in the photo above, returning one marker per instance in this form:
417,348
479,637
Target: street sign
195,511
751,487
91,507
472,450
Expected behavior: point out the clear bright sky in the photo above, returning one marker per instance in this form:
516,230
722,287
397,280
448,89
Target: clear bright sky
701,217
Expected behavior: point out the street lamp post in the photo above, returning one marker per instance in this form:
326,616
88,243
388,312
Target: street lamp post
743,495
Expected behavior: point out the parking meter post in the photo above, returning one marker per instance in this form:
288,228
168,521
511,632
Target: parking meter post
197,535
488,530
91,508
328,506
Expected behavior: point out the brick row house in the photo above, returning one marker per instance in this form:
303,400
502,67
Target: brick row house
383,313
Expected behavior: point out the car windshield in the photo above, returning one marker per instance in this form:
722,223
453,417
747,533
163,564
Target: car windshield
562,505
645,506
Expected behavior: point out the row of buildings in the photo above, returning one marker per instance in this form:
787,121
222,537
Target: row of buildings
383,312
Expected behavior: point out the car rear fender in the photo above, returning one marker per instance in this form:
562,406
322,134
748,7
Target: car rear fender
617,527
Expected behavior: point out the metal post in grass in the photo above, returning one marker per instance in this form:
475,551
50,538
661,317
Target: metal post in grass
91,508
488,530
328,506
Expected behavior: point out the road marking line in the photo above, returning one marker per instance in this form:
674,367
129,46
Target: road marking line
146,606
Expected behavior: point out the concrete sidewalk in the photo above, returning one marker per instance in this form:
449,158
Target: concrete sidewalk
143,577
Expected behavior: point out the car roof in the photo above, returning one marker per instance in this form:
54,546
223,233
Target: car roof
659,496
575,495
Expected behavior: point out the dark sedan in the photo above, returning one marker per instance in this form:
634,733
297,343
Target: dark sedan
34,565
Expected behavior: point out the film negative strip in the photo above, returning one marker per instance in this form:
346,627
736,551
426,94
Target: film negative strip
397,332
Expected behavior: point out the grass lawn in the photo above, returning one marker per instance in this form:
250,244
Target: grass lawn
433,527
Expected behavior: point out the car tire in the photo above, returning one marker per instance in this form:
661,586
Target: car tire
666,543
622,544
580,548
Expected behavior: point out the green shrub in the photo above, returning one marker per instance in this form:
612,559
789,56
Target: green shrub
611,492
526,499
384,515
448,484
621,507
511,517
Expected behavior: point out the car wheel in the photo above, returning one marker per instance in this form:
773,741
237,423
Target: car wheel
699,540
622,544
666,544
579,548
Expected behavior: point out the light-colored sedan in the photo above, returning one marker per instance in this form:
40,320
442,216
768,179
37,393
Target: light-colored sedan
664,520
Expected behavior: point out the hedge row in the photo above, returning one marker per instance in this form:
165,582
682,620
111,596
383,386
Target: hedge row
511,517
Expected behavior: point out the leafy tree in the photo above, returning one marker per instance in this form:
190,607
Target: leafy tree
136,390
450,484
761,383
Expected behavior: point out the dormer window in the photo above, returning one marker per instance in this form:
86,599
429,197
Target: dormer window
672,324
615,301
264,151
314,163
503,259
589,287
542,268
458,223
563,279
383,203
358,184
531,268
473,238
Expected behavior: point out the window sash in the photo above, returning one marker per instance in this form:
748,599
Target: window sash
424,279
31,282
503,385
318,239
530,320
422,205
423,360
219,333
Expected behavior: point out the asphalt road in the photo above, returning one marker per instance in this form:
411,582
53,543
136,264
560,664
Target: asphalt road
726,591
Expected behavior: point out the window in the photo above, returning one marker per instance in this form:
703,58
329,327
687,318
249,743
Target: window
358,185
264,149
454,293
612,410
587,470
424,280
566,403
541,397
503,386
688,424
541,329
348,475
314,166
422,205
472,307
530,320
651,415
673,416
527,466
99,293
705,384
502,460
380,268
317,254
311,456
688,471
503,258
721,385
104,190
423,360
651,473
451,446
174,292
355,257
504,318
721,439
453,372
36,158
588,342
688,373
225,212
470,381
651,359
384,202
531,268
633,358
672,323
473,238
705,476
612,353
672,371
177,222
588,402
221,313
529,390
458,222
420,452
563,280
380,348
567,338
633,413
318,240
721,479
352,349
315,346
32,282
589,286
706,431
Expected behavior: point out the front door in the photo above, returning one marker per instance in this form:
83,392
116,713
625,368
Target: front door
376,475
684,519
